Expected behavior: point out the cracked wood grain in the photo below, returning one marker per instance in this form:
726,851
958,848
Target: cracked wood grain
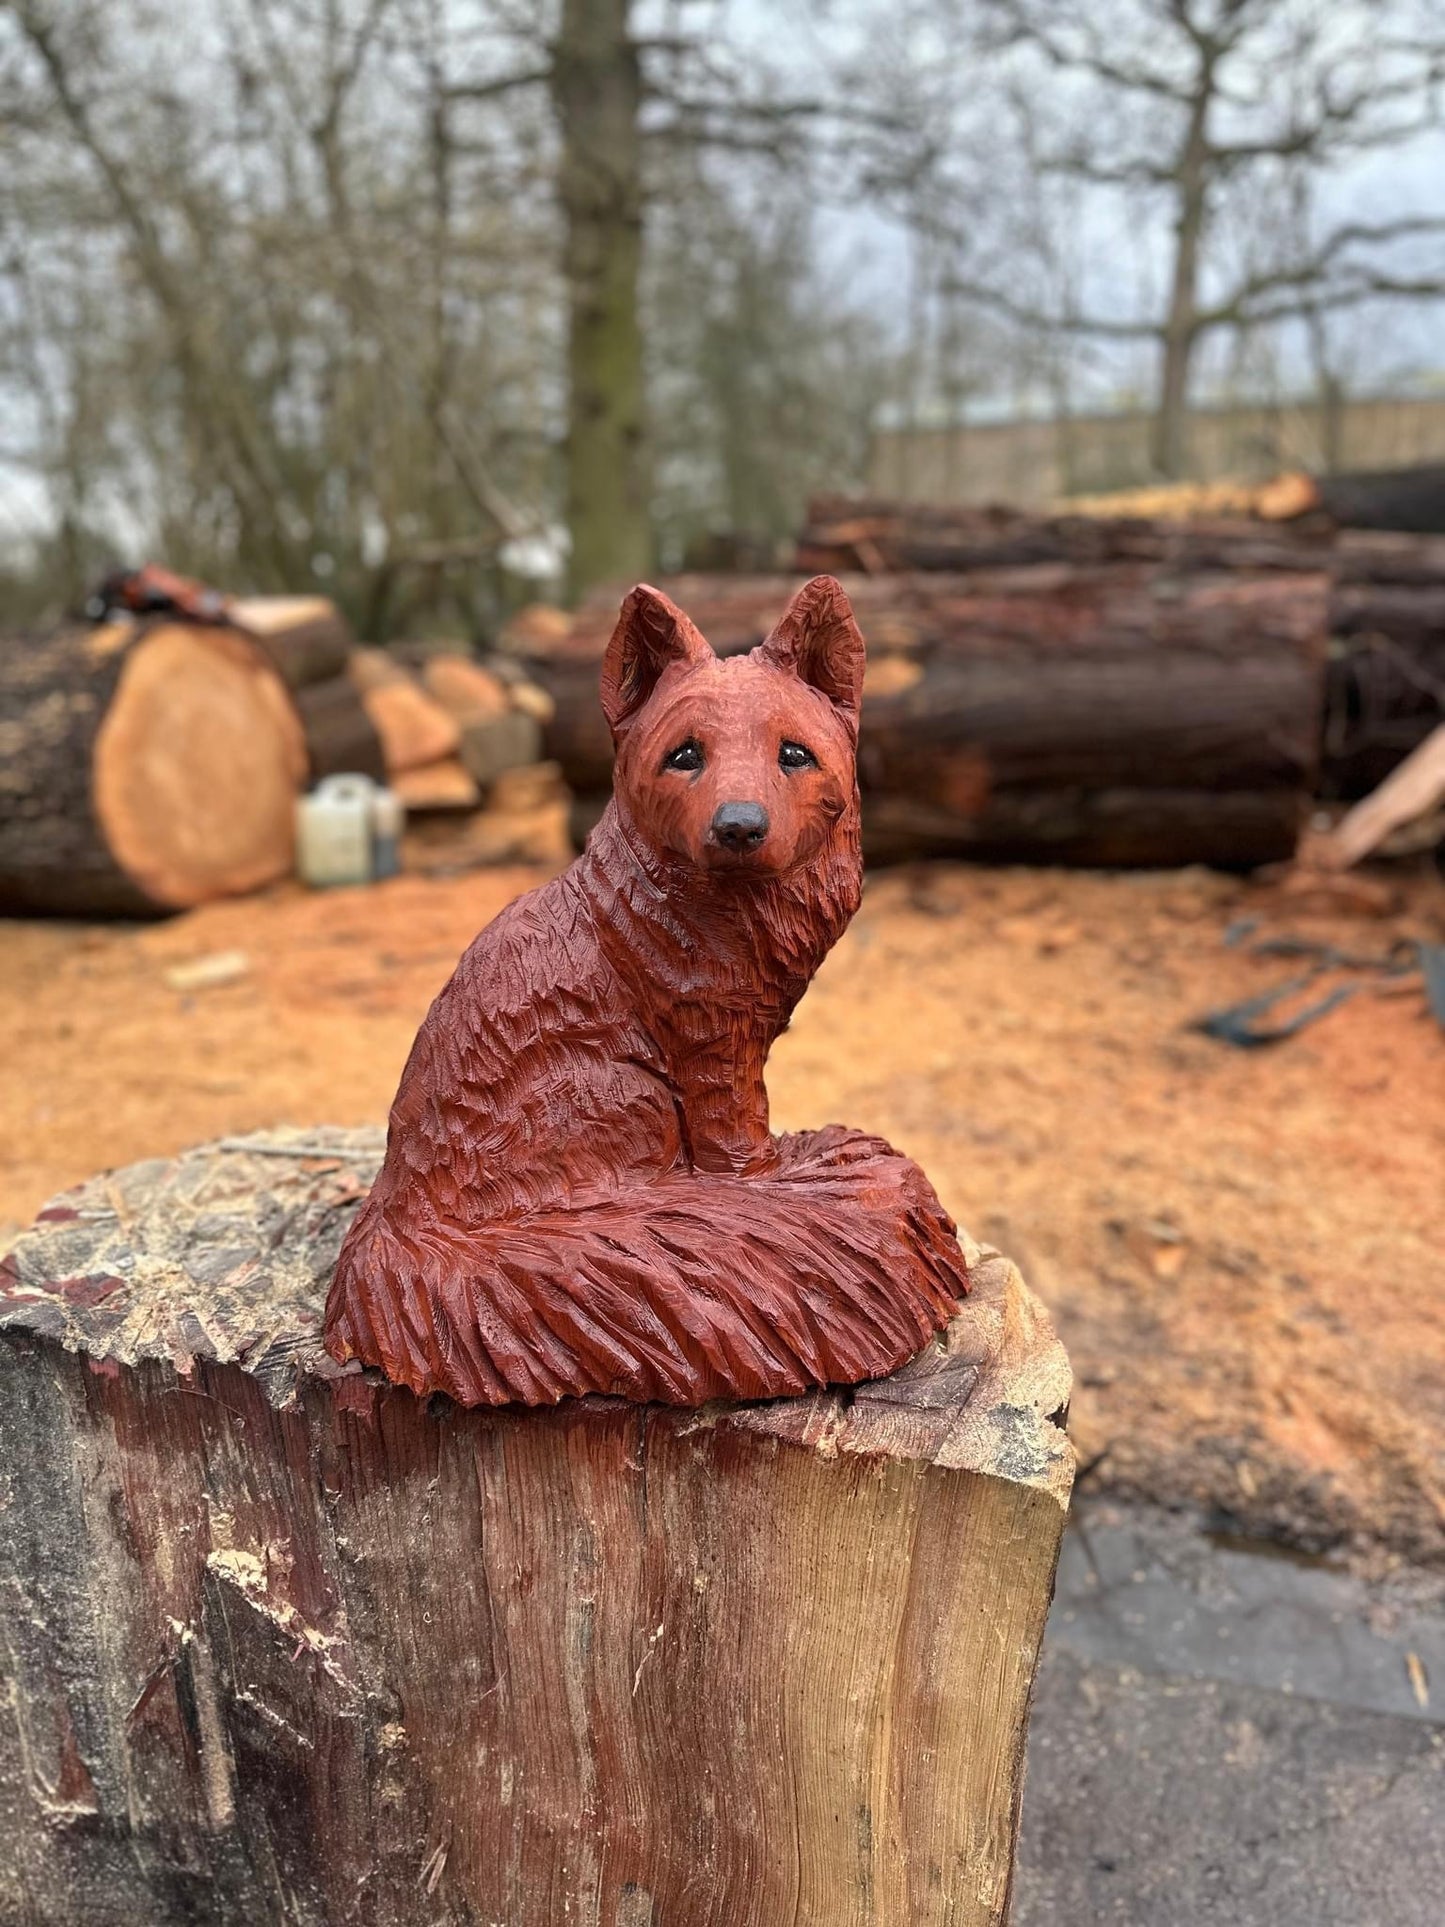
284,1642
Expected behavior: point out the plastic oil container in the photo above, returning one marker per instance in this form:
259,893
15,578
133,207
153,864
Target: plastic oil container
334,832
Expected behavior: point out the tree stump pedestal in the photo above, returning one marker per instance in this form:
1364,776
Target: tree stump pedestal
282,1643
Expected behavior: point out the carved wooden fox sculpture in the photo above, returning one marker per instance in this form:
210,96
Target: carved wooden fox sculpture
580,1191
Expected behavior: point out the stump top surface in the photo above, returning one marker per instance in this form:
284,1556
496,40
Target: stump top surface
223,1256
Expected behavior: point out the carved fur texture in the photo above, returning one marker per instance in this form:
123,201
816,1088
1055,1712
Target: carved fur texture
581,1193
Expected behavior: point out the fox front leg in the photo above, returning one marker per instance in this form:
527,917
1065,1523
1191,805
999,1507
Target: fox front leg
723,1103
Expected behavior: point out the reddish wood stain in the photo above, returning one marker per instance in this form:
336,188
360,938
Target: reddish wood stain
581,1193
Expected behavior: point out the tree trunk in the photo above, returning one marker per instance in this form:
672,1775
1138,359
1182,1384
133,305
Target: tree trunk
1114,715
288,1644
1181,327
596,90
143,769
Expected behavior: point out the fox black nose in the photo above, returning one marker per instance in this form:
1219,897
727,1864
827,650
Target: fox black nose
740,826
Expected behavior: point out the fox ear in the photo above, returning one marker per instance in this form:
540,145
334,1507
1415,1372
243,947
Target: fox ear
651,632
818,640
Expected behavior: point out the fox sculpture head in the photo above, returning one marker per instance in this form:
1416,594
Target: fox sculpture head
741,766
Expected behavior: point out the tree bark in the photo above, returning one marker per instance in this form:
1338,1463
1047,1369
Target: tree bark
308,641
1114,715
143,769
1181,322
288,1644
341,739
596,91
1411,500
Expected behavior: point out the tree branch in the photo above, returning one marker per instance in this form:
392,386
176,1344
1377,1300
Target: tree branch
1040,319
475,90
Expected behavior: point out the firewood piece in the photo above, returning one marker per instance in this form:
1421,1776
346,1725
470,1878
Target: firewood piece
372,668
526,820
276,1629
341,739
496,735
144,777
492,745
305,636
443,785
535,629
464,688
414,729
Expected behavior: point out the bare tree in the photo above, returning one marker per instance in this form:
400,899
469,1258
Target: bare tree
1190,109
633,111
298,333
351,313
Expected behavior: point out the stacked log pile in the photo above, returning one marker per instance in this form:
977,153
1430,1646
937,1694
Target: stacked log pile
152,761
1385,688
1042,707
462,741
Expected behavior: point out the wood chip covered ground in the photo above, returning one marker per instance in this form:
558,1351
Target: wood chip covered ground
1241,1249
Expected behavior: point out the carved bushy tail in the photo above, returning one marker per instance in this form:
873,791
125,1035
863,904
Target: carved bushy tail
836,1267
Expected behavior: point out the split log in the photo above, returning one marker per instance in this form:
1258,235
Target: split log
414,729
305,636
497,736
1411,795
1114,715
526,820
143,768
444,785
464,688
341,739
285,1643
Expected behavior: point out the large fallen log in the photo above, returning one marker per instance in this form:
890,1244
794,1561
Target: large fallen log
881,537
1114,715
284,1644
1386,681
143,768
1391,498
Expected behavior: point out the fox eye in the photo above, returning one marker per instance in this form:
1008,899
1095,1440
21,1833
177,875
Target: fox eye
796,756
687,756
